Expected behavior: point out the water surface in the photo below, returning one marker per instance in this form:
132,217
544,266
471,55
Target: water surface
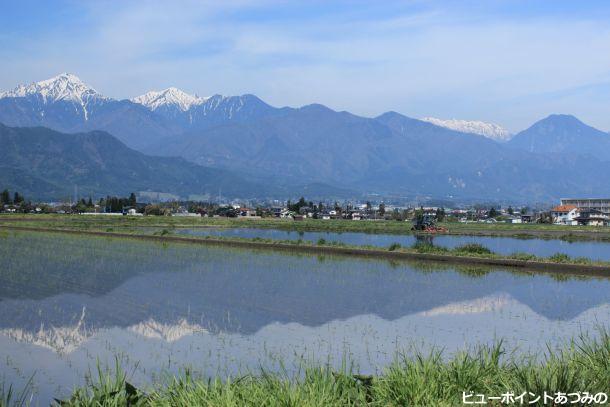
68,301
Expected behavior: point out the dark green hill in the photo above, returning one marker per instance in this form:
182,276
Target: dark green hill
45,164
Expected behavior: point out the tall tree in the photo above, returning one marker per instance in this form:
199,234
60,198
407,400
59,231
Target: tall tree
5,197
440,214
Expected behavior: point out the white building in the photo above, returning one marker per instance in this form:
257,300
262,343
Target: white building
600,204
565,214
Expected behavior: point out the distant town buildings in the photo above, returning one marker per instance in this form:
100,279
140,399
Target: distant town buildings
570,211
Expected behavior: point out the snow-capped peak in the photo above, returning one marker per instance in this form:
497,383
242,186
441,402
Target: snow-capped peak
489,130
65,86
169,97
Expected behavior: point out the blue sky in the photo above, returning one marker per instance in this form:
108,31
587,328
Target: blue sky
508,62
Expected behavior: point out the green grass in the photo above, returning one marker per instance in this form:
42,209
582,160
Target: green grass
394,246
423,247
473,248
411,380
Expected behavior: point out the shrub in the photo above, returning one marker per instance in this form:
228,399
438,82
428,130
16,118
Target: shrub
424,247
582,260
523,256
473,248
162,232
560,258
394,246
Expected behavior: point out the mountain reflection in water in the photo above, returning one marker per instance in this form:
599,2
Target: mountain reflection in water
67,301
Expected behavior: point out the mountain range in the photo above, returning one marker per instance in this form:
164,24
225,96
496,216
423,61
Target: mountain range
287,149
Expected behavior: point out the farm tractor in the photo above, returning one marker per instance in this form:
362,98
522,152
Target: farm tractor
426,222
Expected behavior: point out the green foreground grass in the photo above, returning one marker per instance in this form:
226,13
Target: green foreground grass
416,380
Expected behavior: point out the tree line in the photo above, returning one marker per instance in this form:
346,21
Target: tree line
5,198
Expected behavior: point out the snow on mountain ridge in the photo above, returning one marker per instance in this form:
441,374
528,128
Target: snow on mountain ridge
68,87
489,130
63,87
169,97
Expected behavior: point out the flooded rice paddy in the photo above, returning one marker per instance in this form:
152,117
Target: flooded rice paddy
594,250
67,302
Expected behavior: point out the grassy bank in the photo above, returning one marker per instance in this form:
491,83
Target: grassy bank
415,380
470,250
340,226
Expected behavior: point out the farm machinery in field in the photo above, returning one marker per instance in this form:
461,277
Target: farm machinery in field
426,222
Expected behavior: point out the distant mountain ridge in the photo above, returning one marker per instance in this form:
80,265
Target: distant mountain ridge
563,134
390,154
169,98
66,87
285,148
65,103
489,130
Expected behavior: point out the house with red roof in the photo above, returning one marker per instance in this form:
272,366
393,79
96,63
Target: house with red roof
565,214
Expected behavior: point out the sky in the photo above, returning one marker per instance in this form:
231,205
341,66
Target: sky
509,62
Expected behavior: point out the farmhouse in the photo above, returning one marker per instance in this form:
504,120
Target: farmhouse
592,217
564,214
